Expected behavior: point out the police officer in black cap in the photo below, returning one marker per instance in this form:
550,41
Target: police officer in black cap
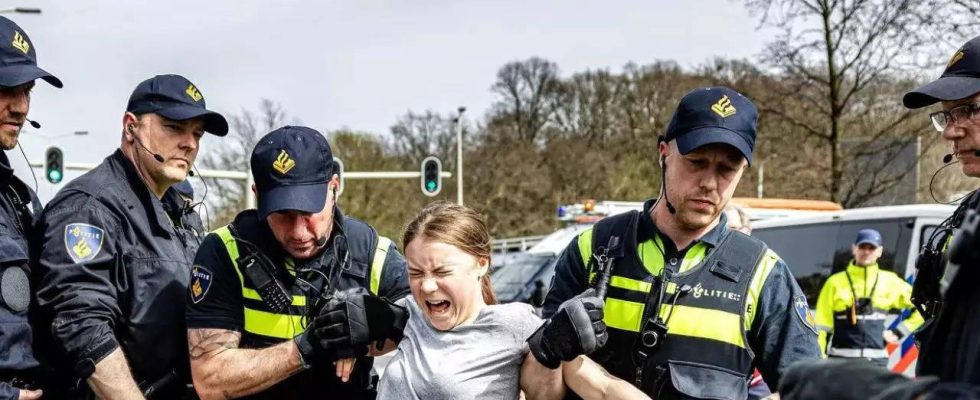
268,313
691,306
112,269
18,207
946,285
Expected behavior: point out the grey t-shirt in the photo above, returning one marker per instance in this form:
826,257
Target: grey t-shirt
479,360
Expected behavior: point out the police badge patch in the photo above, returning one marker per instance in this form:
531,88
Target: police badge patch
83,241
803,311
200,283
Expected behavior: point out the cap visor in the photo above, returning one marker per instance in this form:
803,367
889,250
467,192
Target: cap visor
308,198
946,88
689,141
871,242
16,75
213,122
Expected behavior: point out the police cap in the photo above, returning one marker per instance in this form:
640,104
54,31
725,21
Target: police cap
175,98
292,167
18,58
714,115
960,79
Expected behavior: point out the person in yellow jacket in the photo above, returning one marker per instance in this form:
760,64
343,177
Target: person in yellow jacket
854,304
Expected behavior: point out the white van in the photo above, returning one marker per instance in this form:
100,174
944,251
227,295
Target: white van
815,246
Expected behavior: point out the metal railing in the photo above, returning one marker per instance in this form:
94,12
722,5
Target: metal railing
515,244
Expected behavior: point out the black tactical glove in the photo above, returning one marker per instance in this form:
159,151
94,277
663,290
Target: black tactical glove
332,335
385,319
344,325
848,379
574,330
310,344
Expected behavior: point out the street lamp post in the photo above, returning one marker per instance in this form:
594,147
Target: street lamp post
459,155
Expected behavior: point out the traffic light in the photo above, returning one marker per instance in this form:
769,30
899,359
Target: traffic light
54,165
431,176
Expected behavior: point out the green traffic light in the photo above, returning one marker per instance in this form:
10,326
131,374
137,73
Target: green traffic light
54,176
430,186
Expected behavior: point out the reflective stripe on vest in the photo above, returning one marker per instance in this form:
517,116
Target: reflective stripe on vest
287,326
378,263
857,353
684,320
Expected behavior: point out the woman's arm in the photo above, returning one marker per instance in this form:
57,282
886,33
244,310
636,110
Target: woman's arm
592,382
539,382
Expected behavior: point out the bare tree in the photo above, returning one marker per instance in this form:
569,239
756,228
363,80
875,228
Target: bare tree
829,70
417,136
226,198
527,90
588,106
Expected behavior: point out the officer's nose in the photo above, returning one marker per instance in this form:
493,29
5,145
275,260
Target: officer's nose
189,141
954,131
300,225
709,181
20,102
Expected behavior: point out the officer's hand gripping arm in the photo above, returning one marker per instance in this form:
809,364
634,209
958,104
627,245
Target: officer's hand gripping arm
350,322
576,329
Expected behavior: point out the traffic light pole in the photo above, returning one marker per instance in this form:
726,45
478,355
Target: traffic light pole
459,156
250,199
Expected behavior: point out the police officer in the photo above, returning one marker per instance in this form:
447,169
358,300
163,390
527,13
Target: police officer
188,224
945,287
854,303
18,207
691,305
113,269
263,316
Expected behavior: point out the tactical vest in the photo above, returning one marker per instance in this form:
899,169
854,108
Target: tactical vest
269,327
708,308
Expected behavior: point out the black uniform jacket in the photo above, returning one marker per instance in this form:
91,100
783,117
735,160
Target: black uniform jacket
112,272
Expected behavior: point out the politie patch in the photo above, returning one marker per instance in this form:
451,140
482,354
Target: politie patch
200,283
803,311
83,241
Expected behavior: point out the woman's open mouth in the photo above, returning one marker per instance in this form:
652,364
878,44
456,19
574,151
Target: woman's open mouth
437,306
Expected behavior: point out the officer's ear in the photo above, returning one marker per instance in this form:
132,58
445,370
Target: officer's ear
334,186
255,191
129,126
663,148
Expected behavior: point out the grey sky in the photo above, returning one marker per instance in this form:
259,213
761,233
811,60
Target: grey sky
333,64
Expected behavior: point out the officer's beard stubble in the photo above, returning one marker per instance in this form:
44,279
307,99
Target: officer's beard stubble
694,220
8,138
